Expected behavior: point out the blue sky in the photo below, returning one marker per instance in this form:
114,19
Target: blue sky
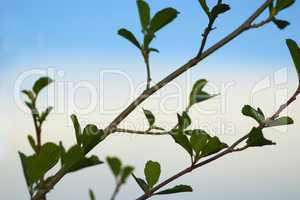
51,33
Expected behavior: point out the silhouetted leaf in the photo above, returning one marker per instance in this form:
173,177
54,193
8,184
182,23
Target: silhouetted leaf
129,36
92,195
37,165
184,120
280,122
126,171
176,189
204,7
147,40
257,139
143,185
197,94
281,24
162,18
152,173
144,13
150,117
45,114
40,84
214,145
257,115
23,159
153,50
183,141
219,9
198,141
295,53
115,165
29,94
84,163
283,4
158,128
72,156
32,143
91,136
77,129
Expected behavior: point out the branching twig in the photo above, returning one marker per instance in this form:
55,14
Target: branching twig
191,63
147,93
229,150
262,23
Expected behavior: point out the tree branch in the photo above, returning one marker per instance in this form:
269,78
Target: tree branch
147,93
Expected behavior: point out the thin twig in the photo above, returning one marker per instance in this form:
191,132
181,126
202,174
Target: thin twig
121,130
262,23
116,191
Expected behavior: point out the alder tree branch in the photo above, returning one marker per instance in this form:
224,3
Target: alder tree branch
229,150
112,127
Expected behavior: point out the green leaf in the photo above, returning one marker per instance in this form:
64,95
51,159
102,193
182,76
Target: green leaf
158,128
126,171
152,173
281,24
129,36
45,114
283,4
74,159
150,117
115,165
84,163
295,53
23,159
257,115
184,120
143,185
204,6
198,140
91,136
162,18
72,156
29,94
280,122
77,129
32,143
214,145
153,50
92,195
219,9
176,189
37,165
197,94
257,139
144,13
40,84
183,141
62,153
30,106
147,40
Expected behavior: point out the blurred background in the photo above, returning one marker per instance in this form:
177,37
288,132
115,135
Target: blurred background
97,74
